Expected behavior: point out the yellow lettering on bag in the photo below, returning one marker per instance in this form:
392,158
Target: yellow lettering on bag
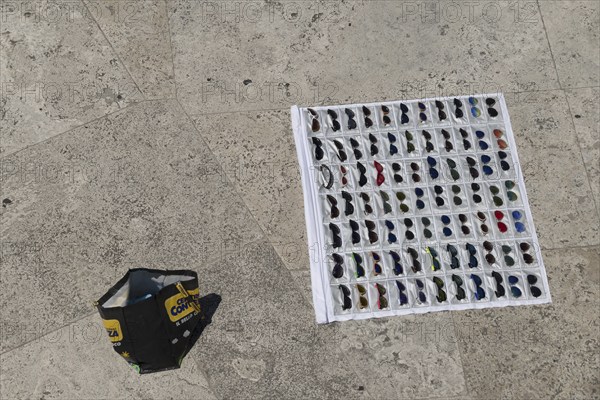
113,328
178,305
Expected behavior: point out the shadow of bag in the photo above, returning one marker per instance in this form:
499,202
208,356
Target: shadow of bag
150,315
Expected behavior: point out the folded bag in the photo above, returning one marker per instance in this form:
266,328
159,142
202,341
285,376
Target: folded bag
150,316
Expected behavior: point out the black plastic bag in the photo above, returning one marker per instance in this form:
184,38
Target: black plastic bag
150,316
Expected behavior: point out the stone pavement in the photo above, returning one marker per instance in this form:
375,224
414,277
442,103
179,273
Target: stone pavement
156,133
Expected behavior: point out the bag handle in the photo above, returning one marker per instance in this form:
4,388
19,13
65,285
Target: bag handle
189,297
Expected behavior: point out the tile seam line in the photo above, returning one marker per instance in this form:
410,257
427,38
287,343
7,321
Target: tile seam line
48,333
113,49
265,236
587,175
285,108
168,18
126,108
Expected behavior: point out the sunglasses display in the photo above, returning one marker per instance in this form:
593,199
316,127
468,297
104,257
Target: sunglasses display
416,206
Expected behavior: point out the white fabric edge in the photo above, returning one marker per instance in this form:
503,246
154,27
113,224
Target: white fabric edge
317,283
320,289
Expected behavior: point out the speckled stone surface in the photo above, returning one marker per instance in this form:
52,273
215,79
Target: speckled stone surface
58,72
157,133
573,29
276,54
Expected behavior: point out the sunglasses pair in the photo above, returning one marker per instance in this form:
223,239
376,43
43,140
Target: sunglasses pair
341,153
534,290
326,176
363,302
472,170
441,113
456,190
500,291
408,224
422,111
454,261
362,170
527,257
335,212
464,224
460,291
420,204
410,146
483,145
382,301
426,231
492,112
398,269
475,187
345,296
441,294
495,191
475,111
380,178
393,148
458,112
435,262
415,168
371,228
355,148
315,126
420,291
452,167
448,146
374,148
366,201
335,124
515,291
367,114
402,297
335,233
433,172
351,121
319,153
482,218
473,263
428,144
385,117
355,232
397,177
401,198
349,207
338,268
391,236
377,270
479,291
489,256
503,163
385,198
465,137
414,255
486,168
360,270
439,200
501,225
501,142
404,114
510,193
446,230
519,225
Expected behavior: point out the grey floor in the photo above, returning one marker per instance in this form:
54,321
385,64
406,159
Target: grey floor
157,134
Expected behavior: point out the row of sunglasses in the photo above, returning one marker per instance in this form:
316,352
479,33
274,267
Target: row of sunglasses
421,112
409,146
368,232
498,194
449,171
438,290
410,260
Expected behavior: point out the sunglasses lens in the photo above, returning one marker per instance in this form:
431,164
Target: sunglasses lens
512,196
401,196
509,261
515,291
490,259
473,263
528,258
502,227
404,208
524,246
338,271
315,125
535,291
